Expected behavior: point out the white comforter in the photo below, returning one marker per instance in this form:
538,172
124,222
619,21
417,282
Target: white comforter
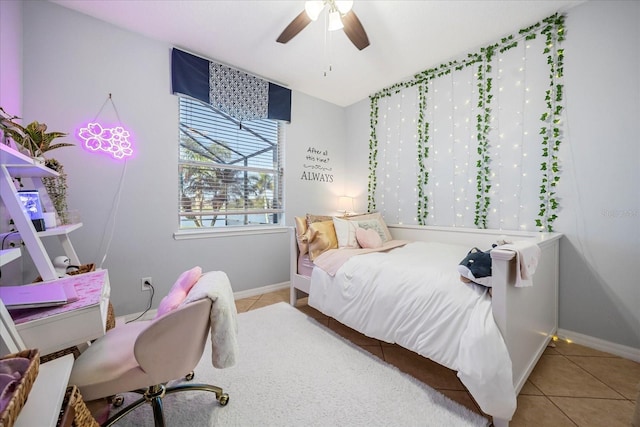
413,296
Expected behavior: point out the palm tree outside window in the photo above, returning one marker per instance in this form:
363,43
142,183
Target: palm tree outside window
230,172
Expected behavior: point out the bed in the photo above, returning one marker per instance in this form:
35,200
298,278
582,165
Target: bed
511,326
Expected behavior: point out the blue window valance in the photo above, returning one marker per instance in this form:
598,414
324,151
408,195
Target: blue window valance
241,95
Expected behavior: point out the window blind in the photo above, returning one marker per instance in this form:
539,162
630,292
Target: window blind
230,172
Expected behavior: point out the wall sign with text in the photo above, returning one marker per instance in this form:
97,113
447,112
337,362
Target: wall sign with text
317,166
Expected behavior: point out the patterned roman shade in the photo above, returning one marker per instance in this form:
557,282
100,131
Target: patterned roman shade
236,93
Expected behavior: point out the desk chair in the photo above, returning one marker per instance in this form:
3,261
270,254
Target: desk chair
143,356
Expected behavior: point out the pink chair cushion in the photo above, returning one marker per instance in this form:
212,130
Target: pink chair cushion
179,290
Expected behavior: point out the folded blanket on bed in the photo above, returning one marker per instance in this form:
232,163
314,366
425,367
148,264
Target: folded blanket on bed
224,327
527,258
331,260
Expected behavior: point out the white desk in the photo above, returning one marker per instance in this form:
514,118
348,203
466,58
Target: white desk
57,328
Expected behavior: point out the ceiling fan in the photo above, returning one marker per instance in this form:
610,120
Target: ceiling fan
341,15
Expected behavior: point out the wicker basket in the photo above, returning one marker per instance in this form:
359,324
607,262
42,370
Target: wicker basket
74,412
10,413
111,317
84,268
70,350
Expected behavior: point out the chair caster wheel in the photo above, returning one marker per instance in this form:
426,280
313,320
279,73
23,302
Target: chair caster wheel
190,376
223,399
118,400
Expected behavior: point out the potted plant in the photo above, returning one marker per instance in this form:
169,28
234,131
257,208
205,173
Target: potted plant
33,138
35,141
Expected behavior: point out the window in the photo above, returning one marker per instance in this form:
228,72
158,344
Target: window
230,172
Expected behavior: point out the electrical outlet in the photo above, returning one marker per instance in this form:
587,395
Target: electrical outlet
143,283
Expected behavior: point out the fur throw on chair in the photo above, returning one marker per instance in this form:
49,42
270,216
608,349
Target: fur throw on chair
215,285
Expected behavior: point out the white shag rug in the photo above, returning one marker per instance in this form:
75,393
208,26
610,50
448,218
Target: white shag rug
292,371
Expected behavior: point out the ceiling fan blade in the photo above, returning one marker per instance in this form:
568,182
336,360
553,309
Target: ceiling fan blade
354,30
292,30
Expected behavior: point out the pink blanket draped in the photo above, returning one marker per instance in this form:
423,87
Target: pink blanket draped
331,260
527,257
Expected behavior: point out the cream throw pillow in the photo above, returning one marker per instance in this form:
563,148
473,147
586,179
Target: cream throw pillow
346,232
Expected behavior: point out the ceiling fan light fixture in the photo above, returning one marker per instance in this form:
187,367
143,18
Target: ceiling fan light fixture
340,15
344,6
335,21
313,9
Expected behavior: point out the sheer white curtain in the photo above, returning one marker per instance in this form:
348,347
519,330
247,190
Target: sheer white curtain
516,151
519,80
451,113
396,196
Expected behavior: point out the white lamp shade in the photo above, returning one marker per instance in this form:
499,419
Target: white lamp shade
344,6
335,21
345,204
313,9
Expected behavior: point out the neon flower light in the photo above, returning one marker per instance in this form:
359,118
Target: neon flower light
114,141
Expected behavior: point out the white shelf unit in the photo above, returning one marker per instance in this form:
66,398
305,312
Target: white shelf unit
16,165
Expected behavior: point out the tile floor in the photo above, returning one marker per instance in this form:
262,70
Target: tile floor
572,385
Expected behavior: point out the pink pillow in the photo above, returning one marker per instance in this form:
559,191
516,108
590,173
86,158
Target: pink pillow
368,238
179,290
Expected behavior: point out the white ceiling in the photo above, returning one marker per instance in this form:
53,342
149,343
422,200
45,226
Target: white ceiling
406,37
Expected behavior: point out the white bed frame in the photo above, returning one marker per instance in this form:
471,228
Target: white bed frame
527,317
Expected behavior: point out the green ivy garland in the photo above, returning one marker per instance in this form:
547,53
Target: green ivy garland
423,153
554,31
483,127
373,154
550,130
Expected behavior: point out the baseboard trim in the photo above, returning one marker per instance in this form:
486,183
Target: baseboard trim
148,315
259,291
236,295
602,345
